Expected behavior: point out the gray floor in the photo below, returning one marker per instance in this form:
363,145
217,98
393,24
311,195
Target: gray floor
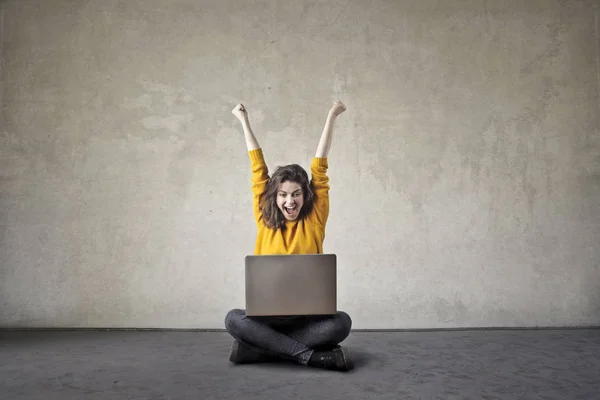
544,364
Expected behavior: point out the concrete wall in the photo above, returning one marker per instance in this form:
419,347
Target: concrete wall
465,173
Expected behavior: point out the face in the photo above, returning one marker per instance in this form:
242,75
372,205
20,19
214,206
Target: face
290,199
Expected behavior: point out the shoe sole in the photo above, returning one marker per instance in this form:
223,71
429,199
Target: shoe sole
347,358
235,347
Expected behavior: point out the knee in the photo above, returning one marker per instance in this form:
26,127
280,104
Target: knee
233,318
345,320
344,324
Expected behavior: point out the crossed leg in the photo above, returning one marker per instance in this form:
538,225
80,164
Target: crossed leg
321,332
296,341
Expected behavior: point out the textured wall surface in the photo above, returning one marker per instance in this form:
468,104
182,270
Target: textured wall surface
465,173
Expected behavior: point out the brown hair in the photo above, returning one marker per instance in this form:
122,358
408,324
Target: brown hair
272,215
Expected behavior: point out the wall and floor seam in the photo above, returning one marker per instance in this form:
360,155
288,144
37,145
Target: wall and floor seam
470,329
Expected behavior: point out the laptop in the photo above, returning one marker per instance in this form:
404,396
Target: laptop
291,285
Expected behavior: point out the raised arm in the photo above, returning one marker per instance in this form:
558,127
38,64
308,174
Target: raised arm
319,165
260,172
325,141
242,115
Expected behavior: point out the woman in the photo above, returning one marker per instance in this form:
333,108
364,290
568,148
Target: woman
291,214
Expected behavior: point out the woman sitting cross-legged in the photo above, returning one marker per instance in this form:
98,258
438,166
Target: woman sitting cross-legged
291,213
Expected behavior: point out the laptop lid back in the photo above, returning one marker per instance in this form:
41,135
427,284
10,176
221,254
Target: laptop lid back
297,284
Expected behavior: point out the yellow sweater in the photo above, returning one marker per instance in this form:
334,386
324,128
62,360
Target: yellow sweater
303,236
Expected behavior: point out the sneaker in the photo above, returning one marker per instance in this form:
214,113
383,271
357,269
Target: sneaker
336,359
241,354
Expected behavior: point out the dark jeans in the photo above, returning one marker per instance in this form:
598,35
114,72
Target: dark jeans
292,338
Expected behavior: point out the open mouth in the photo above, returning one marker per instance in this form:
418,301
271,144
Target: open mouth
290,211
